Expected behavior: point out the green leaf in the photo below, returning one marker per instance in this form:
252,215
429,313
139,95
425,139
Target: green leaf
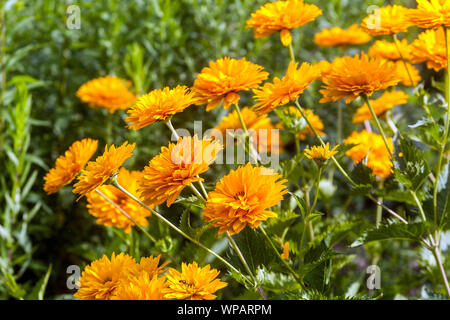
39,289
275,281
185,225
363,177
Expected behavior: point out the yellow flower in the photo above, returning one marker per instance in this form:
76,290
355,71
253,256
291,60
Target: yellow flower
282,91
282,16
430,13
108,92
341,37
285,254
69,165
429,47
193,283
259,126
320,154
142,287
176,167
107,214
314,119
149,265
100,280
384,103
158,105
242,198
351,77
388,50
387,20
408,77
371,144
99,171
223,79
322,68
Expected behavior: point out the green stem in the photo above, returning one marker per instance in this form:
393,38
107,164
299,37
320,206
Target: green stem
394,37
297,278
437,256
170,224
291,53
379,208
253,153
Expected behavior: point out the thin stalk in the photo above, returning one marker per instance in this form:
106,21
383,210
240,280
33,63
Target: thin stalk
297,278
252,151
291,52
170,224
196,192
394,37
344,173
126,215
379,208
437,256
380,128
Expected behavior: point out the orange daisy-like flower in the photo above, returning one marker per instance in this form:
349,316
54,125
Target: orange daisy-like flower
322,68
371,144
193,283
69,165
242,198
429,47
320,154
284,90
341,37
223,79
351,77
430,14
282,16
158,105
384,103
387,20
100,280
142,287
176,167
408,74
388,50
108,92
99,171
313,119
149,265
109,215
259,126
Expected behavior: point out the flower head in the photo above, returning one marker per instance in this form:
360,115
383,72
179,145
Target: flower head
387,20
282,16
430,14
284,90
109,215
100,280
141,287
408,74
351,77
69,165
99,171
320,154
371,145
388,50
176,167
242,198
223,79
158,105
341,37
384,103
108,92
322,68
429,47
259,126
193,283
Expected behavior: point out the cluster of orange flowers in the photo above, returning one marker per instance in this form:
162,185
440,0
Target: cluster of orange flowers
122,278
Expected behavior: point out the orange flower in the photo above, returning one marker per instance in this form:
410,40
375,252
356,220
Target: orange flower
312,118
371,144
351,77
388,50
320,154
430,14
384,103
429,47
322,68
176,167
149,265
282,16
107,214
285,254
141,287
259,125
99,171
158,105
282,91
223,79
108,92
69,165
193,282
408,74
341,37
242,198
100,280
387,20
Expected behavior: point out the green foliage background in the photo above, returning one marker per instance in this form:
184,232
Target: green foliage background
158,43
